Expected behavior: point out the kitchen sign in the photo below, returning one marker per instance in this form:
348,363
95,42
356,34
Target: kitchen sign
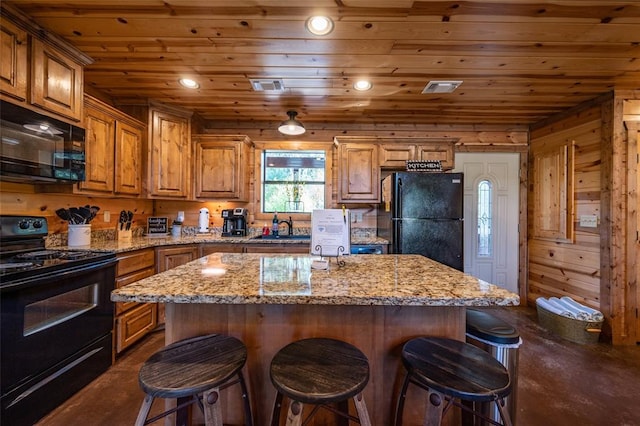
424,166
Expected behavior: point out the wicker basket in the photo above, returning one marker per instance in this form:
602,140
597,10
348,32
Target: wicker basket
575,330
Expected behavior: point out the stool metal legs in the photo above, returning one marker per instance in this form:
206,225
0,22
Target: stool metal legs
438,404
294,413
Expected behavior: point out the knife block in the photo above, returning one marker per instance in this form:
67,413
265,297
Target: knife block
123,235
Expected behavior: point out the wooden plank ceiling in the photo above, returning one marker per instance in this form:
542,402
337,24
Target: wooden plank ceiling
520,61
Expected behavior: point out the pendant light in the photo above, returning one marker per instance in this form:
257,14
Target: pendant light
291,126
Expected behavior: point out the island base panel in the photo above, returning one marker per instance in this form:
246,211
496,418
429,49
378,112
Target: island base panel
379,331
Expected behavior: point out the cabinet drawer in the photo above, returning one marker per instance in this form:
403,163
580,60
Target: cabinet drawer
135,261
134,324
121,281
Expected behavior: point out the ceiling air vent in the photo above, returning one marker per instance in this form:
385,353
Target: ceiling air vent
442,86
267,85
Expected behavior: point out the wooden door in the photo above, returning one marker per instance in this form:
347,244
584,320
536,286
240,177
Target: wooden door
217,170
497,261
99,152
13,67
170,156
358,173
128,154
56,81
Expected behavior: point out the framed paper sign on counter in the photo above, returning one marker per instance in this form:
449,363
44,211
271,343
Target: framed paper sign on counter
157,226
330,232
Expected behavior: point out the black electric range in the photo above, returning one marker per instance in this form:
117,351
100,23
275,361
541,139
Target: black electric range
23,254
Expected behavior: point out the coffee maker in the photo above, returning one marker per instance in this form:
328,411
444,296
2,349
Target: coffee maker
235,222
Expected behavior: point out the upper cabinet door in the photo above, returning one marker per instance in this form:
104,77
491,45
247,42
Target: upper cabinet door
13,67
57,82
221,167
170,155
99,147
359,173
128,155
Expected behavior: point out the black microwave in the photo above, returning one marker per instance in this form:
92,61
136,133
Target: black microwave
38,148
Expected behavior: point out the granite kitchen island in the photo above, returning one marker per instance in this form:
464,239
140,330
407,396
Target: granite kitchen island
375,302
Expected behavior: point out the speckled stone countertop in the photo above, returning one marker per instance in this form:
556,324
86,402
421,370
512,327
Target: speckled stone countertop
150,242
230,278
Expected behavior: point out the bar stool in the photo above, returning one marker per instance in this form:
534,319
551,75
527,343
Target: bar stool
453,373
194,370
319,371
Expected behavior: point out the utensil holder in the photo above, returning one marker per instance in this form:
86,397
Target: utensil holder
79,235
124,235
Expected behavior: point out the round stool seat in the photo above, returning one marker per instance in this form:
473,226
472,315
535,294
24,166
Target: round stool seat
319,371
456,369
192,366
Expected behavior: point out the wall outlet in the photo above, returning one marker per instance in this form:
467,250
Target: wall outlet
589,221
107,216
359,217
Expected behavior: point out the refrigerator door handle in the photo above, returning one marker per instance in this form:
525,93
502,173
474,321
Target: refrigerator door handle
399,197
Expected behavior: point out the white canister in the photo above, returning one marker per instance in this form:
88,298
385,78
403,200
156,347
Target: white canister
203,220
79,235
176,231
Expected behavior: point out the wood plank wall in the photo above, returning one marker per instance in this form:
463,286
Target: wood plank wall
22,199
558,268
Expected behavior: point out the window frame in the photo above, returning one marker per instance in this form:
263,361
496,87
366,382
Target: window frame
260,147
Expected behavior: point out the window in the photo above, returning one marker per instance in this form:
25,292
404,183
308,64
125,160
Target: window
485,195
293,181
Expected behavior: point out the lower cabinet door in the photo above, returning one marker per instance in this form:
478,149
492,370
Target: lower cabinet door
134,324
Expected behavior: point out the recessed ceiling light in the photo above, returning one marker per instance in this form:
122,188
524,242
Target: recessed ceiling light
319,25
362,85
189,83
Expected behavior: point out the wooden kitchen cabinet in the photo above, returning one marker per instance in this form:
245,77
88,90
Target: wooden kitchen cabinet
394,155
113,150
133,320
170,257
13,68
358,172
169,154
222,167
39,70
56,81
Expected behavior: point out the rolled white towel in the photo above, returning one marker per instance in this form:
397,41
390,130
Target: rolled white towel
578,313
547,305
594,314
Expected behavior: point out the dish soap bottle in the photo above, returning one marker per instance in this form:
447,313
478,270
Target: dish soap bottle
274,225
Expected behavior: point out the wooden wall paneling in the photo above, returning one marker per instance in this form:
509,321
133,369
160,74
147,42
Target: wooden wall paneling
569,268
23,200
633,263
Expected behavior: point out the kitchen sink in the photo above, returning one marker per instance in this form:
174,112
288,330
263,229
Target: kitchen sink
282,237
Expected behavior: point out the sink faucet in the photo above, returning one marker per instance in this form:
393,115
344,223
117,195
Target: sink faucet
289,225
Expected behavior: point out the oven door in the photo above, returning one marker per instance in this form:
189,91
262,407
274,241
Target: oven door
48,319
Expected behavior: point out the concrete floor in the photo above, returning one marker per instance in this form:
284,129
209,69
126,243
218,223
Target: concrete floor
559,383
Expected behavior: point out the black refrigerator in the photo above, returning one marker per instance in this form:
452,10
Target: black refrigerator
421,213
